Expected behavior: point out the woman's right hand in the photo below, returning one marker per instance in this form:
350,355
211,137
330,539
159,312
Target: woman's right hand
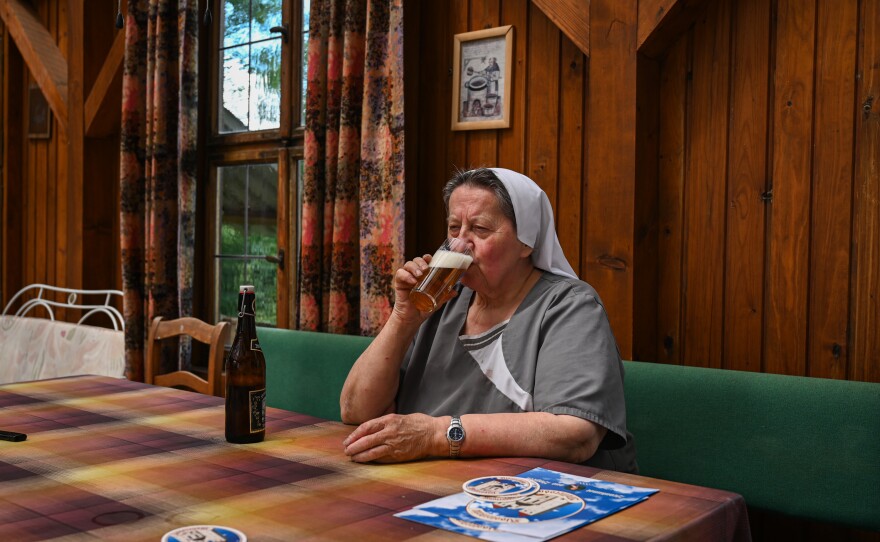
405,279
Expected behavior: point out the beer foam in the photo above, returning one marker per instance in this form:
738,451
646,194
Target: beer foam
451,260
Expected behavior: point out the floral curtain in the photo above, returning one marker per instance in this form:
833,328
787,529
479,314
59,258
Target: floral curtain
353,194
158,168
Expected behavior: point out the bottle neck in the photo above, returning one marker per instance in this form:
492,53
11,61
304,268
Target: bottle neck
247,323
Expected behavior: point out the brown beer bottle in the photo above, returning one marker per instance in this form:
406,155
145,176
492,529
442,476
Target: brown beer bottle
245,377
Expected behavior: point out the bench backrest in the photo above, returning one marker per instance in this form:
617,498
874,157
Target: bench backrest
805,447
305,370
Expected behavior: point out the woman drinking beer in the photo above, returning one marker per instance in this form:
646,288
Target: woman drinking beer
517,360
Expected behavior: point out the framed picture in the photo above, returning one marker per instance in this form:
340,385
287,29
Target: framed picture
39,115
481,79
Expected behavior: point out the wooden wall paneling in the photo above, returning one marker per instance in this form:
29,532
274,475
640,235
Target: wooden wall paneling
13,210
571,144
436,85
483,144
459,22
3,83
457,151
41,204
63,153
76,143
511,141
99,214
39,153
543,137
705,208
415,91
30,211
865,301
747,180
788,245
611,147
670,199
827,352
645,249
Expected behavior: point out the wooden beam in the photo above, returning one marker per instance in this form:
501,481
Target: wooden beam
662,21
572,17
40,53
102,109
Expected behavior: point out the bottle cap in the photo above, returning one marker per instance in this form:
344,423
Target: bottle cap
246,289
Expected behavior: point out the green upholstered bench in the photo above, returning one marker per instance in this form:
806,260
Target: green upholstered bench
305,370
803,447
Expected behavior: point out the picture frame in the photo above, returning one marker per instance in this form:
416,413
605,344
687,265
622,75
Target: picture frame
39,114
482,79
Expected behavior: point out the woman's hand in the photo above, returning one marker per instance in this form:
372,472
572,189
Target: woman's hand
405,279
395,438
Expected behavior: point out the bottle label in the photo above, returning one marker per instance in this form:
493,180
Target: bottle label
258,410
255,345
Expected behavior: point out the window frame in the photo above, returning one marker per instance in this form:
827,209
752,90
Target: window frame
283,145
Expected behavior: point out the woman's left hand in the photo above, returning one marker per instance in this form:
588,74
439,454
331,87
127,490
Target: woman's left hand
394,438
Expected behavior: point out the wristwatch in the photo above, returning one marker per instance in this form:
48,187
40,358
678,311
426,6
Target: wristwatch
455,436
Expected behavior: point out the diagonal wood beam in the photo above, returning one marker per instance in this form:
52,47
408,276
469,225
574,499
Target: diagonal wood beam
572,17
102,106
40,53
662,21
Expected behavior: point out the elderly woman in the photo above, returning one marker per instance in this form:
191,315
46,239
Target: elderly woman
519,361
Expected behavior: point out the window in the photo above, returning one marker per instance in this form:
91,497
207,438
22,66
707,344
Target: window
254,146
248,225
251,34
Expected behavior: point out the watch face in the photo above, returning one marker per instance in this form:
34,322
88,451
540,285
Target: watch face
455,434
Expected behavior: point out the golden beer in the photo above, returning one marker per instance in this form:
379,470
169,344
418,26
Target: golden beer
445,269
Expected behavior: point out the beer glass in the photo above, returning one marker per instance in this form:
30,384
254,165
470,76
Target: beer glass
447,266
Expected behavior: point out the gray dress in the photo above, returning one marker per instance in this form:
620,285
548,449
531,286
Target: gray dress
556,354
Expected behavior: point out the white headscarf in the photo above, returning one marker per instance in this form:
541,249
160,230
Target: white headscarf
534,222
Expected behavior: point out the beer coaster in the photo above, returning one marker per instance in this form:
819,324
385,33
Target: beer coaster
500,487
204,533
546,504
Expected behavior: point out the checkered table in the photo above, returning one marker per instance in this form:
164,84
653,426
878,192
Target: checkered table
109,459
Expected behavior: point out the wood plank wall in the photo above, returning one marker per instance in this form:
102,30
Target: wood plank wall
36,174
768,190
757,215
757,174
548,112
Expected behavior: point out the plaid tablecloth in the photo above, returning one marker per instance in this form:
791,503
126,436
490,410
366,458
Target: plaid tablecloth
109,459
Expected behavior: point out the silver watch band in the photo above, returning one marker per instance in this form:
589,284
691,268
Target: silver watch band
455,435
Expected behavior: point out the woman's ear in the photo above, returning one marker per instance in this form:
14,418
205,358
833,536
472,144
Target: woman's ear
525,251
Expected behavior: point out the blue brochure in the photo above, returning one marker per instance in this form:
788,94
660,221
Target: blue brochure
510,509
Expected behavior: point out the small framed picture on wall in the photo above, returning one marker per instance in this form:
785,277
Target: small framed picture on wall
481,79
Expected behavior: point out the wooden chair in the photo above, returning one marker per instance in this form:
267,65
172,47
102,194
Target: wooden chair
213,335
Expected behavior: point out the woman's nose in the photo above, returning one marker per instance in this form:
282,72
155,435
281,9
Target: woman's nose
466,235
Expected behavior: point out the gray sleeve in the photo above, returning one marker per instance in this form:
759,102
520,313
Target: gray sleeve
579,371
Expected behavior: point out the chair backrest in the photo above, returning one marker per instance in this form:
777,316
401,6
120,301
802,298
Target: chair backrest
212,335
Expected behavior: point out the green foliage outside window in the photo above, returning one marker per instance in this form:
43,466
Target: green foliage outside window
262,274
